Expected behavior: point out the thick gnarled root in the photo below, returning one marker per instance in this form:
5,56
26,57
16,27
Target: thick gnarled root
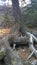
31,44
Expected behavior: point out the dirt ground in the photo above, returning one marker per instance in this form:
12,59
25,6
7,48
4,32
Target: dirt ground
24,53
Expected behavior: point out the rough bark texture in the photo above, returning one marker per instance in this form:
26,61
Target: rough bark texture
16,11
12,57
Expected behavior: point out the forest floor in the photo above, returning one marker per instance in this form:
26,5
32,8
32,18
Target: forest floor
24,51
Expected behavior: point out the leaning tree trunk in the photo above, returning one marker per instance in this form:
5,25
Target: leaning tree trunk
16,11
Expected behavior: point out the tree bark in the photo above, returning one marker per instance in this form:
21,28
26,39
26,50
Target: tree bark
11,55
16,11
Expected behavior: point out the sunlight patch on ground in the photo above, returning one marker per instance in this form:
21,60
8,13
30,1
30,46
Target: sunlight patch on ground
4,31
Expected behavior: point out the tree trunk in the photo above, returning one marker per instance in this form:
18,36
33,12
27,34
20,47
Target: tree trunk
16,11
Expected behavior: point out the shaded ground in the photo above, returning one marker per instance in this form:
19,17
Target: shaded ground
24,53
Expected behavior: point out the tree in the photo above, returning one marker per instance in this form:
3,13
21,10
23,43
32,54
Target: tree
16,11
